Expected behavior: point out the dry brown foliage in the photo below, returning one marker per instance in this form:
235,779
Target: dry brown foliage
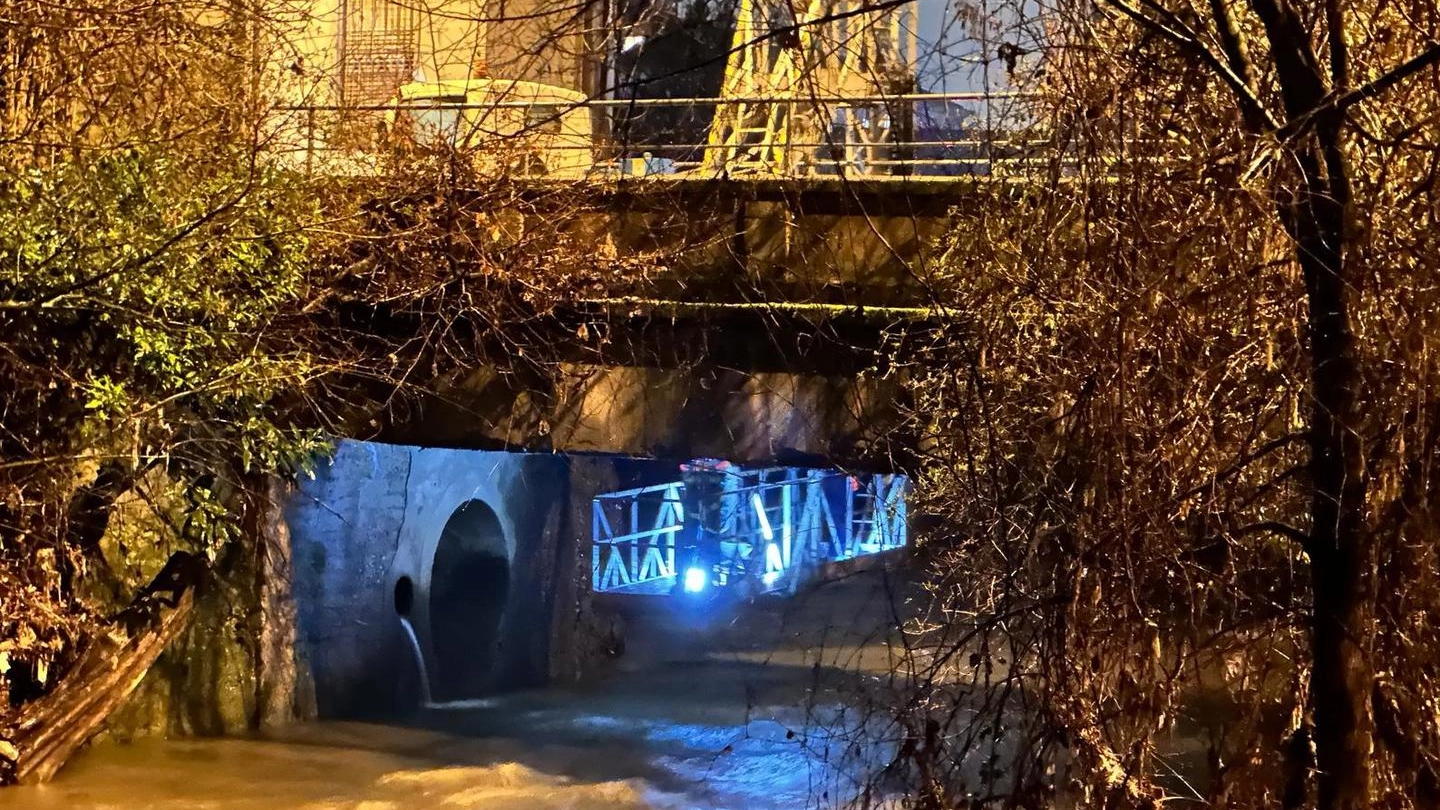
1190,549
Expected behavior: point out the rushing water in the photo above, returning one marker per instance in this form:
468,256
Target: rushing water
684,721
425,695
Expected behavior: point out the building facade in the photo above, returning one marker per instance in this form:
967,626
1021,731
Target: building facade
357,53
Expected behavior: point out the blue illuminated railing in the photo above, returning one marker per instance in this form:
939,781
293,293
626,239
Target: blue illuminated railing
767,529
642,551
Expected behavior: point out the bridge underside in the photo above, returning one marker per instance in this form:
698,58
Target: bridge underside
752,383
662,413
775,336
429,574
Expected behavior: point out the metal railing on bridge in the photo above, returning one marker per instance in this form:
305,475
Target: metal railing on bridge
764,530
642,549
921,135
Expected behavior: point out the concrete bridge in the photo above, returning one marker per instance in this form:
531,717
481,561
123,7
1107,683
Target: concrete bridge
770,330
495,516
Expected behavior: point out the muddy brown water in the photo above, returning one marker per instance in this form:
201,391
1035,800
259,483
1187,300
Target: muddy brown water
744,710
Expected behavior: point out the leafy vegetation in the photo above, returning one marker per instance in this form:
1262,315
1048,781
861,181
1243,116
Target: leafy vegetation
182,316
140,299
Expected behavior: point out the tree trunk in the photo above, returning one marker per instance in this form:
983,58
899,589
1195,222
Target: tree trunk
50,729
1341,556
1313,200
279,700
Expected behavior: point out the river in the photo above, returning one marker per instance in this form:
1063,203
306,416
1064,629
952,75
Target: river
753,712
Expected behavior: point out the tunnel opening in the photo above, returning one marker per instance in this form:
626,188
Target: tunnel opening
469,586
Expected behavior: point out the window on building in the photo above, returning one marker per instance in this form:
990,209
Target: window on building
379,49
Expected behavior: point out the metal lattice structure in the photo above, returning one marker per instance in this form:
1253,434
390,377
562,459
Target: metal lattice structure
379,49
761,530
642,551
785,68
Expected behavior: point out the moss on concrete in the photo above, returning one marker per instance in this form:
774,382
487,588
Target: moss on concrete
206,682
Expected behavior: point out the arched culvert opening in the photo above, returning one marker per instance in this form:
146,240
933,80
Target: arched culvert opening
469,583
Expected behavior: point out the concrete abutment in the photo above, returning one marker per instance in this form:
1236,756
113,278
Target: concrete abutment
485,553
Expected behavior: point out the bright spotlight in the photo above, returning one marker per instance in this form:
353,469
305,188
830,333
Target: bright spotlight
695,580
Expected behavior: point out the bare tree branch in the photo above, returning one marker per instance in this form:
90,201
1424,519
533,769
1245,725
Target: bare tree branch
1174,29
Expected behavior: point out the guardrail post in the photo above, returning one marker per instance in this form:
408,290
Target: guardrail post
902,135
594,549
786,518
848,543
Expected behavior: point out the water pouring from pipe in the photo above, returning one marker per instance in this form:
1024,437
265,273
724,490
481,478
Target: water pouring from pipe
426,699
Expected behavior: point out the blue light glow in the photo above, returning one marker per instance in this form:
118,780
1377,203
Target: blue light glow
695,580
770,578
772,557
759,505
